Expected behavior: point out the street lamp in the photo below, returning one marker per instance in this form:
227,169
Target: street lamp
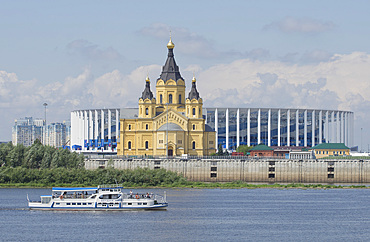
45,105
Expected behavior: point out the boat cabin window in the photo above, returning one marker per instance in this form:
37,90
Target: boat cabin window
110,196
45,199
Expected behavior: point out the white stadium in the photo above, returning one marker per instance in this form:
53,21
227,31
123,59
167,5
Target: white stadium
98,129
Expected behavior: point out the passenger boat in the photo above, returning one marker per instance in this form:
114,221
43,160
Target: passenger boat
103,197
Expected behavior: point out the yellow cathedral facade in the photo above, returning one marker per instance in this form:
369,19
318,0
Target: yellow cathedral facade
170,124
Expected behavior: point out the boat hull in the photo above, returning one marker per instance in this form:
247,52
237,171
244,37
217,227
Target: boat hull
39,206
98,209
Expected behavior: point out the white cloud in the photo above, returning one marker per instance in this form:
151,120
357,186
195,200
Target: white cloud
342,83
302,25
339,83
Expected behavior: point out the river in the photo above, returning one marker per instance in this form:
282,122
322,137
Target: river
199,215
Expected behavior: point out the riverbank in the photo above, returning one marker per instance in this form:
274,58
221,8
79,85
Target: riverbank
200,185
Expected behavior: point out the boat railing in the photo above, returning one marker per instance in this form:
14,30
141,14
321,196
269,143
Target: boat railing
156,197
160,198
111,186
139,196
72,196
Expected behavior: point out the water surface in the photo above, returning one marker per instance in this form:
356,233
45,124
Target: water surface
199,215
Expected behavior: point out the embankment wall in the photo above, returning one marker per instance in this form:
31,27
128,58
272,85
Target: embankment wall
250,170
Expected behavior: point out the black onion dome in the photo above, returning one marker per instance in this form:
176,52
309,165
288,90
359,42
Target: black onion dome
193,94
147,93
170,70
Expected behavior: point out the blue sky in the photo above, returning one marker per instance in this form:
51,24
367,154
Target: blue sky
95,54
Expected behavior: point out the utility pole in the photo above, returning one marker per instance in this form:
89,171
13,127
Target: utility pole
45,105
361,141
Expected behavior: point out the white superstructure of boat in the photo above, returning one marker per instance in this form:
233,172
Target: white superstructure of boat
103,197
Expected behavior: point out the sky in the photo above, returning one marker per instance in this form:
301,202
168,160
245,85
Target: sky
271,54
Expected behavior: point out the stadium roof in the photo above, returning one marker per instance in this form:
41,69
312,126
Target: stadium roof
330,146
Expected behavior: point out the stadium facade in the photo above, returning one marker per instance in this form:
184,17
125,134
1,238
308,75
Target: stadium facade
96,129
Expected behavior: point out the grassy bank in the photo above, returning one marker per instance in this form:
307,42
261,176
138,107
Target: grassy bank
21,177
198,185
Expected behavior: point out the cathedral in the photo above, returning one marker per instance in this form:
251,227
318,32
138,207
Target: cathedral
168,123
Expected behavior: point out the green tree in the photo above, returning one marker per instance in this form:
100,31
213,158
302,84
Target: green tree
55,161
220,151
16,155
47,157
4,151
34,155
243,148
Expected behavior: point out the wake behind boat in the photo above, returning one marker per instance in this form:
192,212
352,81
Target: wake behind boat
103,197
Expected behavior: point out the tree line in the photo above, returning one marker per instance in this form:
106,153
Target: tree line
81,177
40,165
38,156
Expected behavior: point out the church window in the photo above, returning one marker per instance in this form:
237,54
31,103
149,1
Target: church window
179,98
161,98
193,126
146,126
193,111
170,98
129,127
129,145
146,144
193,145
146,111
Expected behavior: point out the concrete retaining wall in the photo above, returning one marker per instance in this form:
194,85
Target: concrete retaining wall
250,170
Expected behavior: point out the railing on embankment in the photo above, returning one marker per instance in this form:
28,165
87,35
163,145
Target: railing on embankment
232,168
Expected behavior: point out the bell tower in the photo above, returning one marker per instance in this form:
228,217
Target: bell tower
194,103
170,88
147,102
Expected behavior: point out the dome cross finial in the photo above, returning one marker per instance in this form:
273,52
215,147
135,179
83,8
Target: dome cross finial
170,44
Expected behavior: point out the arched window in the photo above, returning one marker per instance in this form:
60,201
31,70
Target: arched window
146,126
179,98
194,111
129,145
193,126
193,145
161,98
146,111
129,127
146,144
170,98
